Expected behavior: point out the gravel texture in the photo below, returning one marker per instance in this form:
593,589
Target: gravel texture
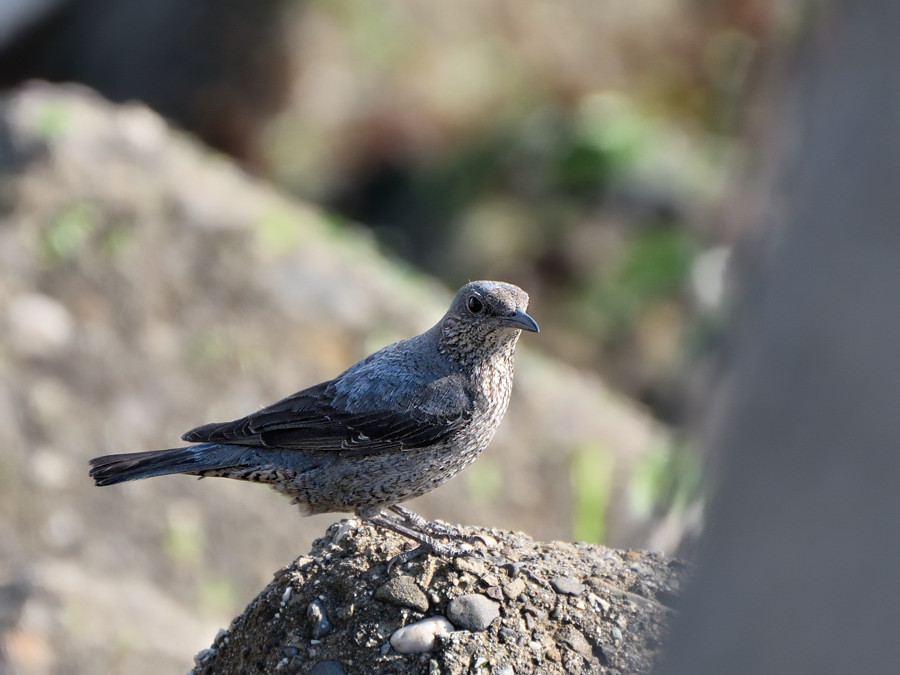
531,614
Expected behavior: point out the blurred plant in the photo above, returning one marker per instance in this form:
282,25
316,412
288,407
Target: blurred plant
592,479
655,266
667,479
216,596
484,481
51,120
70,232
184,541
209,348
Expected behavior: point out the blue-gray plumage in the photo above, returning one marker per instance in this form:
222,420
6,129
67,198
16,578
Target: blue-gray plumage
392,427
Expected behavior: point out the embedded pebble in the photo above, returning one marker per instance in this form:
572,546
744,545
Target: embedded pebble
488,541
471,565
567,585
494,593
575,640
514,588
505,669
506,634
472,612
321,626
342,530
513,569
328,668
420,636
203,656
597,601
404,592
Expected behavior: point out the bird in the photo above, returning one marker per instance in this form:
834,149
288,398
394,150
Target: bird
393,426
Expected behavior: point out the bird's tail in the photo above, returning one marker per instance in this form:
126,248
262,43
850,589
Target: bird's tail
112,469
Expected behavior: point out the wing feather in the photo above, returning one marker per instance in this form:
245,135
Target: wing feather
315,419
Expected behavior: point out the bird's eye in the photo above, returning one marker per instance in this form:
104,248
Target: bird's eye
474,304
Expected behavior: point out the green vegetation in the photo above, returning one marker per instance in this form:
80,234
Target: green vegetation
70,232
484,481
670,478
592,478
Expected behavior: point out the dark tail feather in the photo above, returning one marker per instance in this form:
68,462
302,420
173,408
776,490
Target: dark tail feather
112,469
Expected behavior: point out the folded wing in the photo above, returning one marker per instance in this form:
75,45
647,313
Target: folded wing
319,418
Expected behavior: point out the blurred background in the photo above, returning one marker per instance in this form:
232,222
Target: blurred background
206,206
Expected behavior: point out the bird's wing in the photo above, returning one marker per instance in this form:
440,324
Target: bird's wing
317,419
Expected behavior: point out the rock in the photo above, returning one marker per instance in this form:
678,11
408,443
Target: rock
369,633
472,612
507,634
39,325
514,589
573,638
471,565
420,636
328,668
514,568
320,625
340,531
403,591
494,592
567,585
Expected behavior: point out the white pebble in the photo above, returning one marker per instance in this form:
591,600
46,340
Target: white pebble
419,637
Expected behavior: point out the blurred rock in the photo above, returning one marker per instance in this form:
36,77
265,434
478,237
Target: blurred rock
38,325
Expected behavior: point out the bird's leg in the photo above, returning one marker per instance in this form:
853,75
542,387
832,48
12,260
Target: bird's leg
435,528
427,543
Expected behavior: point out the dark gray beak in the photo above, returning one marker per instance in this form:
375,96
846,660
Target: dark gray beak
520,320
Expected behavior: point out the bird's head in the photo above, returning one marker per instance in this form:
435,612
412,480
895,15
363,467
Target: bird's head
489,313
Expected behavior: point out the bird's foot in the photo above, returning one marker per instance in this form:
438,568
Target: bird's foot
428,541
436,528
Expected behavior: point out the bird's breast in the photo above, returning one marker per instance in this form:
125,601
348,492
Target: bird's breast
492,382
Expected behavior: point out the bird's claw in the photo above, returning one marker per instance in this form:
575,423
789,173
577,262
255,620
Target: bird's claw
447,550
405,557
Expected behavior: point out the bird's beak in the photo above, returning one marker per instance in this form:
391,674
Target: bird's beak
520,320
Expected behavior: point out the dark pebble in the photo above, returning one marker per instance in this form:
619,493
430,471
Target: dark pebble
506,634
403,592
472,612
567,585
513,569
318,619
328,668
